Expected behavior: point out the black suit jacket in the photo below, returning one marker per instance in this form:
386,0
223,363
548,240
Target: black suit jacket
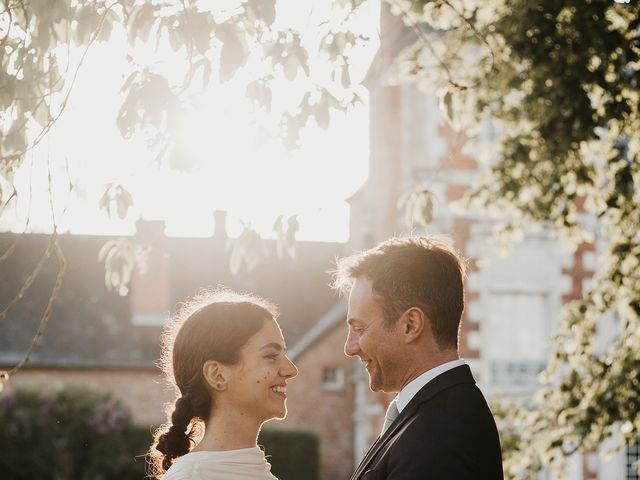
446,432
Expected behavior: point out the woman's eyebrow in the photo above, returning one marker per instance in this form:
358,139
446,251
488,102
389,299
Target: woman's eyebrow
275,345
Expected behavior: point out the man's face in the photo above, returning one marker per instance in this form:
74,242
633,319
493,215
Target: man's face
380,349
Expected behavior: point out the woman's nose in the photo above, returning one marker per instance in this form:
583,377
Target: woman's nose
289,370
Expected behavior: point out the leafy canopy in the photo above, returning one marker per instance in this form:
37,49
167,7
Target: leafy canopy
558,84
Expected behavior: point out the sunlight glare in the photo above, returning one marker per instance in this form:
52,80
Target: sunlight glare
240,164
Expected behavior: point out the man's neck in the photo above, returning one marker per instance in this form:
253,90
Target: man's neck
423,365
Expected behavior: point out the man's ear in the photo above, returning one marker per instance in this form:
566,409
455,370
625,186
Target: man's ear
412,322
215,375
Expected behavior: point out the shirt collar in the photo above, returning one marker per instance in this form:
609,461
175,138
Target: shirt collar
414,386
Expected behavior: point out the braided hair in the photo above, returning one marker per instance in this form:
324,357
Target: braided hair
211,326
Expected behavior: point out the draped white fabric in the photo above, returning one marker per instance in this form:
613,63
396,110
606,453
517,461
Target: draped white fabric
243,464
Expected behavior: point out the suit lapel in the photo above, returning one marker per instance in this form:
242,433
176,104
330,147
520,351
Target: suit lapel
455,376
382,442
365,461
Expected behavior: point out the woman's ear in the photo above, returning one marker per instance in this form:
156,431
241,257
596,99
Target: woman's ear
214,374
412,323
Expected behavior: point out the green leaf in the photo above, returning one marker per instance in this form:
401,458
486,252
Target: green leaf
265,10
124,201
140,21
290,65
105,204
88,20
446,107
15,141
7,91
42,114
260,94
246,250
110,17
120,258
234,53
345,78
127,118
321,113
129,81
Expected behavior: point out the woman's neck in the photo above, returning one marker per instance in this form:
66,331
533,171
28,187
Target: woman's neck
227,429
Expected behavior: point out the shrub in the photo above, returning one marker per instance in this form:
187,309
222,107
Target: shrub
74,434
292,454
80,434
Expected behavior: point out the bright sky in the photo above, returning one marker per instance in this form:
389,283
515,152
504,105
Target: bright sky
253,182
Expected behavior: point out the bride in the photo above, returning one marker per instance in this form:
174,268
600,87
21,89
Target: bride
225,354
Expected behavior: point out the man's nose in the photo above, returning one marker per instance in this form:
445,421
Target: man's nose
351,346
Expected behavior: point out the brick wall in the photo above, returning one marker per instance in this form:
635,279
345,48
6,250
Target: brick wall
329,414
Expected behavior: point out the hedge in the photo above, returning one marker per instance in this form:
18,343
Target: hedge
80,434
74,433
293,454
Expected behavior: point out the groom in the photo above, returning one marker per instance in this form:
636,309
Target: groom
405,303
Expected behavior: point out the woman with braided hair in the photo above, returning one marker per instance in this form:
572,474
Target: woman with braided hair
225,355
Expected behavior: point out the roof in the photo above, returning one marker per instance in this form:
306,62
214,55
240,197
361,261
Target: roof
91,327
335,315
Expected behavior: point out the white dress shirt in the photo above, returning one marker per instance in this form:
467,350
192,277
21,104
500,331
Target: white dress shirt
409,391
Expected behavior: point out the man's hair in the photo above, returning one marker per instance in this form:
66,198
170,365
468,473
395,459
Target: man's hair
405,272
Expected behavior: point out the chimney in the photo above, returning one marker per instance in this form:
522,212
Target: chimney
220,224
151,290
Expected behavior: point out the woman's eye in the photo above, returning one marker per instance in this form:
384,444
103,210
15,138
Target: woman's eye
272,356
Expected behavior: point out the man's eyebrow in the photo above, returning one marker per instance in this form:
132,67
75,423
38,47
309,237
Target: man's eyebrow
275,345
351,321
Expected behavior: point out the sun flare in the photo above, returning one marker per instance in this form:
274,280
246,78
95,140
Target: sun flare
234,158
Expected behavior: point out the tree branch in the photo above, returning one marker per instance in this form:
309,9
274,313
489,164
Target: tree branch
62,267
31,278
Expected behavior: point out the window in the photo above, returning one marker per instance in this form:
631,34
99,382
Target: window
517,330
633,460
333,379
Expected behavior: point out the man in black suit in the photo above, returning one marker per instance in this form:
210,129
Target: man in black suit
405,303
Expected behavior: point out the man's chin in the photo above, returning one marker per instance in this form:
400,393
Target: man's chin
374,386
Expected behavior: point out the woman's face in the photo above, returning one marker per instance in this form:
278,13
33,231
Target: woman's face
259,379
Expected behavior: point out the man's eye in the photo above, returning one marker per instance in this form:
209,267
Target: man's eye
272,356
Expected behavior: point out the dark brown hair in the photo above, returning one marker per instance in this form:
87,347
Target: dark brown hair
211,326
405,272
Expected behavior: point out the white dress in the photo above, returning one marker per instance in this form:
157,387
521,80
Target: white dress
242,464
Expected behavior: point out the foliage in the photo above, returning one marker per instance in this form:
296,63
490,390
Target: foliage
418,206
292,454
121,257
74,433
38,75
558,83
189,49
